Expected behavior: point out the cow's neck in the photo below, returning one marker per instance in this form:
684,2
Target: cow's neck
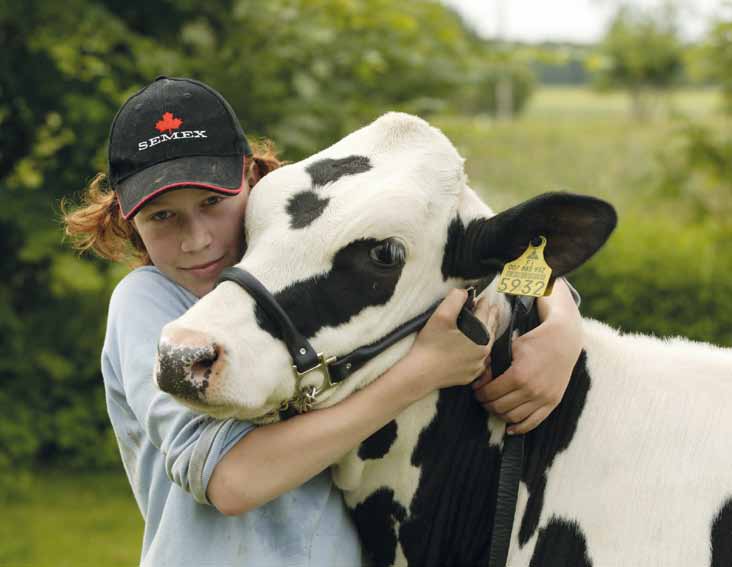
545,442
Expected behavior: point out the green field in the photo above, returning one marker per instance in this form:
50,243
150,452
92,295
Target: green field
574,140
71,520
568,139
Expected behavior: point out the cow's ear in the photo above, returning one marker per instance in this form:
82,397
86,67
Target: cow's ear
575,226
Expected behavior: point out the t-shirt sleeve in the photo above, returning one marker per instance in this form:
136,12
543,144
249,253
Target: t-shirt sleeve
192,444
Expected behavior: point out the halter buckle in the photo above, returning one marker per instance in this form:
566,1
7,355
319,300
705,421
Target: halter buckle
305,399
324,367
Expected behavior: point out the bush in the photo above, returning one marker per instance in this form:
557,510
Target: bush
483,97
716,55
656,276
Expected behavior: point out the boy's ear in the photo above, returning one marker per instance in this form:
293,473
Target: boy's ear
575,226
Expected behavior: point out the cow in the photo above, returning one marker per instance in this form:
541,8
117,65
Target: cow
632,468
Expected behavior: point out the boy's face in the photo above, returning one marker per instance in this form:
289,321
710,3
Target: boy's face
192,234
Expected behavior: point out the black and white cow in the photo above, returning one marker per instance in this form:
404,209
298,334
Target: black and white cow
633,468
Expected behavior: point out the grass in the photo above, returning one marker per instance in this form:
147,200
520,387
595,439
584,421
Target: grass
578,103
72,520
571,139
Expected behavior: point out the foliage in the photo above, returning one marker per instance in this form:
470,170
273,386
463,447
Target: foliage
486,85
307,72
560,64
641,53
568,139
715,57
697,164
662,277
65,78
698,161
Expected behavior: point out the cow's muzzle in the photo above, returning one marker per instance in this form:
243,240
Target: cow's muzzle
188,362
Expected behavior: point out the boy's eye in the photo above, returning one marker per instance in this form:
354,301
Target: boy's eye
161,215
212,200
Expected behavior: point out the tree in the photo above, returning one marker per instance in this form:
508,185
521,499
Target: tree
640,53
306,72
697,166
68,66
503,85
717,54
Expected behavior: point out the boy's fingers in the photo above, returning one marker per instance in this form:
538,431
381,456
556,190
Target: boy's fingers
509,402
483,309
487,314
520,413
452,304
484,378
499,387
530,422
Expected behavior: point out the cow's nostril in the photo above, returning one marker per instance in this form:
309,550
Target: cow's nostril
202,368
184,368
204,364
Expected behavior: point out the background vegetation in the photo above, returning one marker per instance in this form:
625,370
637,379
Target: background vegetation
305,72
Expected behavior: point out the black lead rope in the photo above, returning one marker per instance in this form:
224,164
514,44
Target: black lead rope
523,318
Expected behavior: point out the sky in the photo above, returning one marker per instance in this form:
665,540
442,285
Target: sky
582,21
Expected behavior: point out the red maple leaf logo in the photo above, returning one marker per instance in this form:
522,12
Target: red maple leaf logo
168,122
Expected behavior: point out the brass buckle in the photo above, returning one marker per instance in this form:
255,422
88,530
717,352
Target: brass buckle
323,365
305,399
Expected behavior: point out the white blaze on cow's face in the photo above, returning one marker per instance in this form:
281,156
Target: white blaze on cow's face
350,241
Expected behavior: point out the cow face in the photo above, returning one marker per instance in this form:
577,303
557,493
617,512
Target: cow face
352,242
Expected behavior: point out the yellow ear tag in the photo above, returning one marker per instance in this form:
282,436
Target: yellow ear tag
528,274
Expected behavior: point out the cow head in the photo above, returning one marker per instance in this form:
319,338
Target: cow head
352,242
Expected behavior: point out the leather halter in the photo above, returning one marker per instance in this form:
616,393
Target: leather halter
335,369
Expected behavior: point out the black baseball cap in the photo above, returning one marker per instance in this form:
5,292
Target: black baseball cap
175,132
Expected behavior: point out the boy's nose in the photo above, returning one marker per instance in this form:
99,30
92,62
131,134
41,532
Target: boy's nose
196,238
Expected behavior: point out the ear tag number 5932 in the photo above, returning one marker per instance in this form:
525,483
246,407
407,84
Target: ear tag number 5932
528,274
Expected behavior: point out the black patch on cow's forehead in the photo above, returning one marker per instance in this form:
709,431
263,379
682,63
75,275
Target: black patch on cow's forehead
377,445
304,207
545,442
329,300
722,536
376,519
561,544
328,170
451,514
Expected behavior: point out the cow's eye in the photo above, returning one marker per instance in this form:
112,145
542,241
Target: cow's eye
388,254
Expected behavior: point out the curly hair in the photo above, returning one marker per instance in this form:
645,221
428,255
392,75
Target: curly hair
97,224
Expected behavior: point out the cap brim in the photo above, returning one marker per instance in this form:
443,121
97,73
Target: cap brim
219,174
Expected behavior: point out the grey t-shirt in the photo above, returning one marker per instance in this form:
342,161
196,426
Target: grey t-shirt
169,453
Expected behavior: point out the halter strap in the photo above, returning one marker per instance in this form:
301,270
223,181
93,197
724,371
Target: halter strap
300,349
337,369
